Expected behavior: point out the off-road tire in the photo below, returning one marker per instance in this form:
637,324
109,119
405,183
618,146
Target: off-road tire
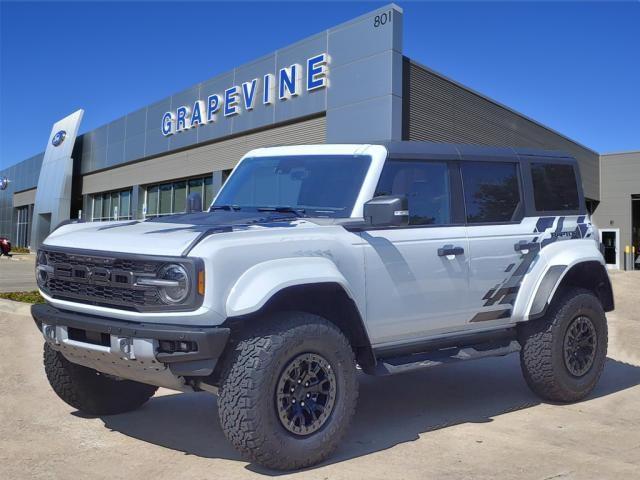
91,392
247,397
542,355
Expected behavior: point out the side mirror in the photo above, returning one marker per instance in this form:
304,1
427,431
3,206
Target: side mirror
391,210
194,203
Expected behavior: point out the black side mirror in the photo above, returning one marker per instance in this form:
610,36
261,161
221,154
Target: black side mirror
194,203
391,210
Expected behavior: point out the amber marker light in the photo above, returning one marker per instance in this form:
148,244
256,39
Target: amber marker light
201,282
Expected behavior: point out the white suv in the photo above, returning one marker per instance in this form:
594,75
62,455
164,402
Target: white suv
314,261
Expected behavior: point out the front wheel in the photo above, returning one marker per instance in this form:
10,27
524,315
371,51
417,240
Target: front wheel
288,394
564,353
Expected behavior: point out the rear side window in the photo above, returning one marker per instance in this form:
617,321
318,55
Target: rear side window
491,191
554,187
426,185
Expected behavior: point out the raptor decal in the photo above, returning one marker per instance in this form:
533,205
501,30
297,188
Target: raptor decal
505,293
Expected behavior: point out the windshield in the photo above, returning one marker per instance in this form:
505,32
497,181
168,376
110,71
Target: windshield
311,185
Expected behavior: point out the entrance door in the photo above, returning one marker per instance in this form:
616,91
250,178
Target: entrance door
610,239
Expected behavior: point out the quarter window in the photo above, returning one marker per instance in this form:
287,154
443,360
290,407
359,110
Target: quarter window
554,187
491,191
426,185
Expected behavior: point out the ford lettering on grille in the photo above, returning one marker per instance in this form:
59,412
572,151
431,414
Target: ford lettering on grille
94,275
102,280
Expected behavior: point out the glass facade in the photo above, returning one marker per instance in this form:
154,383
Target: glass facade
171,198
111,206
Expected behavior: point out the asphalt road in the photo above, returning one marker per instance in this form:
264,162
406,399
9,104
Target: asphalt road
475,420
17,274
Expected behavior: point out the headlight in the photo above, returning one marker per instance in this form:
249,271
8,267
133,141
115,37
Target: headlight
42,269
176,283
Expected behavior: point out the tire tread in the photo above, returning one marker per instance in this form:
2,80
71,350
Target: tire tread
247,374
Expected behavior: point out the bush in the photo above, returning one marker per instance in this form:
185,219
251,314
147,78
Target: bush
26,297
20,250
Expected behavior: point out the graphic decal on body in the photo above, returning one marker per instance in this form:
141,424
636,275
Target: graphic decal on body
505,293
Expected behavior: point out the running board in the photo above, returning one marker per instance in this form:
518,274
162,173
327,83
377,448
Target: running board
409,363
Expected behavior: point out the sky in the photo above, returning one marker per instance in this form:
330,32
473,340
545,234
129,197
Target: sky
573,66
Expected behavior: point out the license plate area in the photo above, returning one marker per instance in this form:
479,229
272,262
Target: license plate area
87,336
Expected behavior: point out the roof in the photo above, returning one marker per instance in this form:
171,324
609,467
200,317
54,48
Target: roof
466,151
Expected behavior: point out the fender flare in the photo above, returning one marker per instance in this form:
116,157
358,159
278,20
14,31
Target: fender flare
555,275
253,289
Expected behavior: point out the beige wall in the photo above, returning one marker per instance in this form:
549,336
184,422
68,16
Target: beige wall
619,179
28,197
205,159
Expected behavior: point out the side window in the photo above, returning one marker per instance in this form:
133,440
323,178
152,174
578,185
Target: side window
554,187
491,191
426,185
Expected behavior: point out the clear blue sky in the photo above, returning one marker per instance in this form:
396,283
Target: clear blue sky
572,66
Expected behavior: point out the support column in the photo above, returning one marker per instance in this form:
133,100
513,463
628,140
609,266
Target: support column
137,202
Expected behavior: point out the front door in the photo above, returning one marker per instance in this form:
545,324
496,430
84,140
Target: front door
417,276
610,239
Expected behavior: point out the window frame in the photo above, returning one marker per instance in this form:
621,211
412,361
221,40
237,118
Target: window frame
520,212
531,210
455,191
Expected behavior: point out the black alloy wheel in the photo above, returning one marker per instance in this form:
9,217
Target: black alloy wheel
306,394
580,344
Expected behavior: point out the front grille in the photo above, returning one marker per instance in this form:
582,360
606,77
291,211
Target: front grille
55,257
101,280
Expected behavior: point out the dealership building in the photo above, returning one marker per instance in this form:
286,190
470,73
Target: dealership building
350,83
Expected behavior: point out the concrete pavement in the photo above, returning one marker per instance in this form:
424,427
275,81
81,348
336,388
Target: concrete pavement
475,420
17,273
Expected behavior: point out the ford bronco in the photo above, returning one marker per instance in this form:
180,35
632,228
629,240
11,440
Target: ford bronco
316,262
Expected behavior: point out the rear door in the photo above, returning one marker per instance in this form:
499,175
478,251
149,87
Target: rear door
414,289
497,235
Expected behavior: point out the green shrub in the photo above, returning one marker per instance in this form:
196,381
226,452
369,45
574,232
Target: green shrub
26,297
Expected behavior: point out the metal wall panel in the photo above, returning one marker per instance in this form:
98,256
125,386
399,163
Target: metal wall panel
362,103
205,159
22,176
437,109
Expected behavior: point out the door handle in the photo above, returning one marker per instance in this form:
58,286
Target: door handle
450,251
524,246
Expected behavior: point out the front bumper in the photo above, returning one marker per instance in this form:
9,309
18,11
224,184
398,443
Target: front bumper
132,350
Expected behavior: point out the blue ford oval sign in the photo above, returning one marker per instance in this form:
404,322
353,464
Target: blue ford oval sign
58,138
4,183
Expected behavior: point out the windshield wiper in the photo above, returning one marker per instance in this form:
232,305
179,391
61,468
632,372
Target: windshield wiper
224,207
282,209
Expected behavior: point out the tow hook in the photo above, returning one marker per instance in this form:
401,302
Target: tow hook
126,348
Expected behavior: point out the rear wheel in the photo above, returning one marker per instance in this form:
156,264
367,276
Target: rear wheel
288,394
563,355
90,391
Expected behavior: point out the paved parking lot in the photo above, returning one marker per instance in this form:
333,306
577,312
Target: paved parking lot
17,274
476,420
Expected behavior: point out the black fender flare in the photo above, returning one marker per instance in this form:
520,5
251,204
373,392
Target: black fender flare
590,274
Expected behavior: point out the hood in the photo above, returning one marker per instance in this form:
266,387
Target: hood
173,235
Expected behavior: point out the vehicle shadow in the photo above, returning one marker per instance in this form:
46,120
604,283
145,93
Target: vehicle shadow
391,410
